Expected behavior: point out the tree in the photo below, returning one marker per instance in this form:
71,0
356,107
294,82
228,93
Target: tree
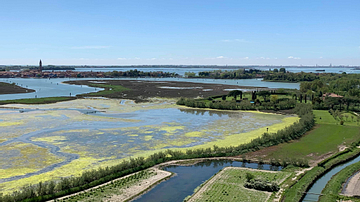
282,70
235,93
273,98
223,97
264,94
276,70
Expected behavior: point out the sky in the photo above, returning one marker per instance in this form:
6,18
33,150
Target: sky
184,32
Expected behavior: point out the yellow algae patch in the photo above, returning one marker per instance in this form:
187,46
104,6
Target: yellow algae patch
28,158
171,129
6,173
242,138
147,137
74,168
133,135
77,131
3,124
2,140
51,139
194,134
100,133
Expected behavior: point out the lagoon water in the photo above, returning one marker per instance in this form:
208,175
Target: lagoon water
85,133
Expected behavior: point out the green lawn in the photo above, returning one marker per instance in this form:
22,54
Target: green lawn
324,117
228,185
327,135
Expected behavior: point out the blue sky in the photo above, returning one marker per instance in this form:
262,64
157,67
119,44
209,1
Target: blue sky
233,32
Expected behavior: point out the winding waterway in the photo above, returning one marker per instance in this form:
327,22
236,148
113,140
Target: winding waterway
320,184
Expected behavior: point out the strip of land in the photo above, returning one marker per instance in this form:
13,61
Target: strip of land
353,187
140,90
111,191
228,185
7,88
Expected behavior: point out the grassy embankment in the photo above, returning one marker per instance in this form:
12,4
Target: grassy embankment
228,185
334,186
324,139
45,100
117,187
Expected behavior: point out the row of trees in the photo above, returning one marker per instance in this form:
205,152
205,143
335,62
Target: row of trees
235,74
53,189
135,73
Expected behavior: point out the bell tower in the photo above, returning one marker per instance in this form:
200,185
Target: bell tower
40,66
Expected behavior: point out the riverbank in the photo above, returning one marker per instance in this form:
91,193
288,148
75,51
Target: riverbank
121,189
7,88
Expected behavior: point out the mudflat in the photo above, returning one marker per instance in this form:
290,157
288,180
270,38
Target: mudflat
6,88
141,90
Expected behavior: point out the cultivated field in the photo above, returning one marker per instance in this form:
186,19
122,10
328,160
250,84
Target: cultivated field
228,185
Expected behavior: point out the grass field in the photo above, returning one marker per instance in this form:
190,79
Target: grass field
322,140
228,185
46,100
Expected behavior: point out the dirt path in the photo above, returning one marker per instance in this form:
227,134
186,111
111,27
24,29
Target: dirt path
353,187
140,187
131,191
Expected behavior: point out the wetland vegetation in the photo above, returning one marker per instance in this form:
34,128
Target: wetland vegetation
12,88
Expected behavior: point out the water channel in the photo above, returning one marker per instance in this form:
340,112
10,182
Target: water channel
320,184
187,178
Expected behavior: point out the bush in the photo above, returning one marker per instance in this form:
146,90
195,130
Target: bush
262,185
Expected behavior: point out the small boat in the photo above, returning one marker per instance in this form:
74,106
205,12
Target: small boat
320,70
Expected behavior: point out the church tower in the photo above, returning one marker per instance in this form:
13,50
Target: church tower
40,66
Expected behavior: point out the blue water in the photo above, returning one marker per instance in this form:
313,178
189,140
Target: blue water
321,183
187,178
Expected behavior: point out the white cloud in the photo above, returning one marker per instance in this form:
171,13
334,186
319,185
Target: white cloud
320,57
235,40
246,58
90,47
121,58
220,57
295,58
153,59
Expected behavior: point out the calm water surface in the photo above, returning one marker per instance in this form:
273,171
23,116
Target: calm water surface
321,183
187,178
